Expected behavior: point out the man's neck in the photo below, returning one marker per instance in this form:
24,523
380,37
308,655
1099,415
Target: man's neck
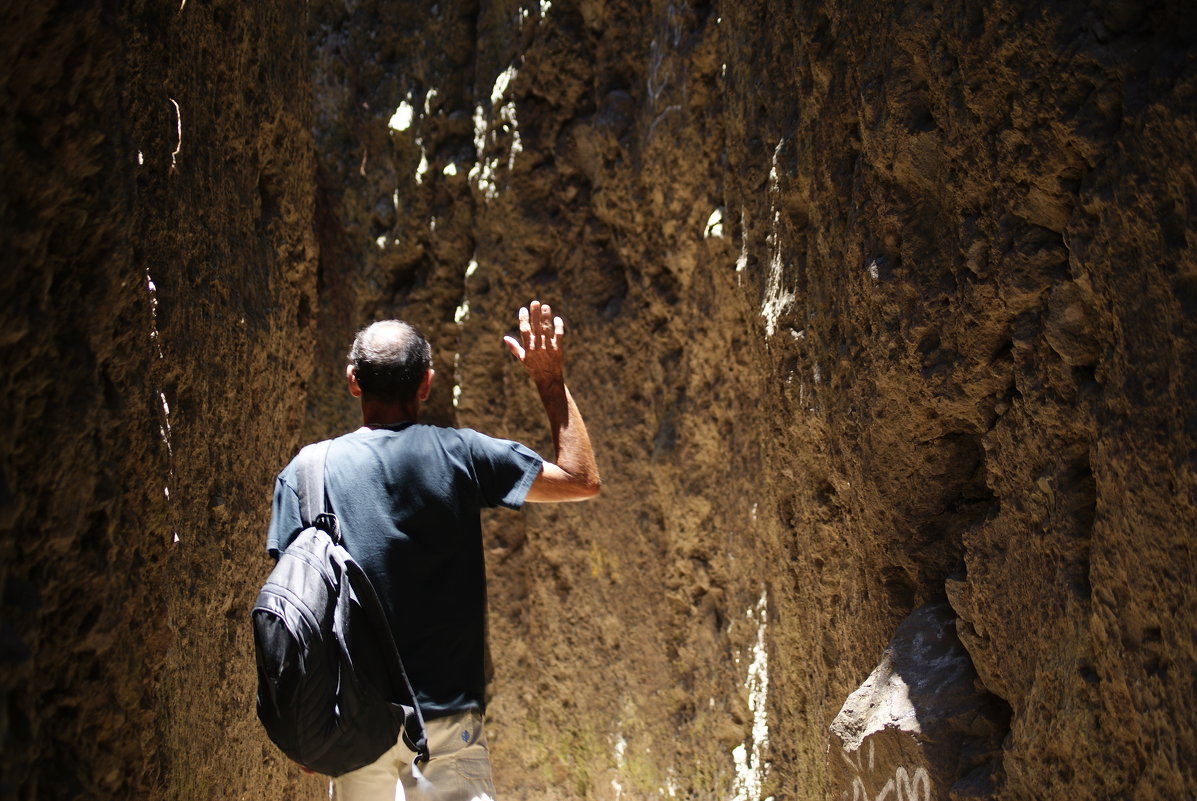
380,415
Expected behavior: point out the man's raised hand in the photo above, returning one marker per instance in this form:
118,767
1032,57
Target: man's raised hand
539,348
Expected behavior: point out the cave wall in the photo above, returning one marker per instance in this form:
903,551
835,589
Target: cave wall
158,295
872,305
520,157
989,325
873,308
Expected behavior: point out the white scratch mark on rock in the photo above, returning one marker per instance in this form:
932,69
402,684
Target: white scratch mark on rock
742,261
179,132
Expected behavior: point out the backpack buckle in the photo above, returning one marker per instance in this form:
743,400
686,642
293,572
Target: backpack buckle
327,522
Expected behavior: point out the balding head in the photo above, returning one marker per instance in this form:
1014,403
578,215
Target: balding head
390,359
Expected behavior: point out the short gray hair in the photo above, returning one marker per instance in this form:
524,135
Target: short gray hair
390,358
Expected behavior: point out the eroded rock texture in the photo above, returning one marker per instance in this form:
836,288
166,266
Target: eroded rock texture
871,306
158,290
988,330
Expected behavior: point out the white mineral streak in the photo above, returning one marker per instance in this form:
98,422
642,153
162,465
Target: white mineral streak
503,80
517,146
621,747
456,379
483,171
742,261
152,288
178,131
671,785
777,298
749,759
480,172
164,429
401,121
422,167
462,312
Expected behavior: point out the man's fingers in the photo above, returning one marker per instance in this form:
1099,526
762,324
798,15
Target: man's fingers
539,329
514,347
525,327
534,323
546,326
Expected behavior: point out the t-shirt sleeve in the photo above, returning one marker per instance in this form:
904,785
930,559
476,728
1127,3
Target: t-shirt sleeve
504,469
285,519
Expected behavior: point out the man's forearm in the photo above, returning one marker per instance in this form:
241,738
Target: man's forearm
570,439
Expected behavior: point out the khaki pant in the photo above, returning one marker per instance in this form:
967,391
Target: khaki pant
459,769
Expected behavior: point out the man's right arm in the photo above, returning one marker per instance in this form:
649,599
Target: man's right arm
574,475
285,521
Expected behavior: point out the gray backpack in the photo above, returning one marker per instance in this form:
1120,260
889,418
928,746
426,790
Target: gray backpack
332,692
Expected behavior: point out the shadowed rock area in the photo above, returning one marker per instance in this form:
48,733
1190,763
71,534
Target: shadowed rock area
920,724
877,312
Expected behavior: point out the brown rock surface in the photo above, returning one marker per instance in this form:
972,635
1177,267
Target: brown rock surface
871,305
158,290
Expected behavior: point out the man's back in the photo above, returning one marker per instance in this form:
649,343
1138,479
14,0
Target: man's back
408,499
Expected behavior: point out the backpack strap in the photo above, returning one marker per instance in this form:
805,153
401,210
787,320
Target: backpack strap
313,511
414,733
309,475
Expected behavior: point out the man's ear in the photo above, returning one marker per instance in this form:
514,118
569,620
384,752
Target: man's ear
355,389
426,385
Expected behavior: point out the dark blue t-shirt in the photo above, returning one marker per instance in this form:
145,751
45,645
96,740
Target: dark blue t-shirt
408,500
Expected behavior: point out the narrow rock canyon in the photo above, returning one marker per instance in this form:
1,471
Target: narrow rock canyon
883,317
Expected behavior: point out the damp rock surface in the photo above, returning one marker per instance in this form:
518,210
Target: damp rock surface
870,306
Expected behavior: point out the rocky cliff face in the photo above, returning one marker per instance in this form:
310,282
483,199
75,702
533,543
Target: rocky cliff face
881,315
158,295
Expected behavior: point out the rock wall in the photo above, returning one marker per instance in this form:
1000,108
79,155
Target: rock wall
874,308
986,317
521,156
158,297
872,305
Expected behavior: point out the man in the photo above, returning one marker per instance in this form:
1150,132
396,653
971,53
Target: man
408,498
